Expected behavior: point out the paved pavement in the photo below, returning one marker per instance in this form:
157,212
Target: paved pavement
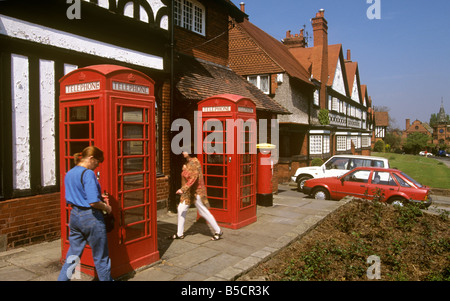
195,258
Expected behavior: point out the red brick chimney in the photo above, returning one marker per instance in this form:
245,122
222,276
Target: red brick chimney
295,41
242,7
320,31
349,57
408,124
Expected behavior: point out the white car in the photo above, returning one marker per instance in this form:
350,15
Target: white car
336,166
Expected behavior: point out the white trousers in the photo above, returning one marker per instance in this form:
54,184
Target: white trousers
202,210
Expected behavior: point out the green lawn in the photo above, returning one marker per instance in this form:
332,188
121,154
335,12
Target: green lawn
426,171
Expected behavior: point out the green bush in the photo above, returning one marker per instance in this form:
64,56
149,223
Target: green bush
316,162
379,146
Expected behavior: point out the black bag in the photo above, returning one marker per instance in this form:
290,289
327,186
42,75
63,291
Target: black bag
108,217
109,221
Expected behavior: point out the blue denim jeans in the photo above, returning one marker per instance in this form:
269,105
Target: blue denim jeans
87,226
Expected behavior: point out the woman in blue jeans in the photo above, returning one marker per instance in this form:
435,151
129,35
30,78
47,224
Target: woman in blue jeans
86,224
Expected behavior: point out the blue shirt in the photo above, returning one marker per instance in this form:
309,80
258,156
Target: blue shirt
75,194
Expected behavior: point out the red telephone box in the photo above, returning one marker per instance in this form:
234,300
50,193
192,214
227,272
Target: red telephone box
113,108
228,155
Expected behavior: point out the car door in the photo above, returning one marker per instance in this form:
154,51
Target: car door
382,184
355,184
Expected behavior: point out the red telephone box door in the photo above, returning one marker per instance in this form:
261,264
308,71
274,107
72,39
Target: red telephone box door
113,108
228,144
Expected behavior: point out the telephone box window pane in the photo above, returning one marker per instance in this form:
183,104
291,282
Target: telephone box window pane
77,147
246,201
79,113
215,192
215,159
215,203
214,170
214,181
132,115
133,131
133,165
134,215
79,131
133,198
133,182
135,231
133,148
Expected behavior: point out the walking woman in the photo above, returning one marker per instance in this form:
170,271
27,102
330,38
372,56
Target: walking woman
193,190
86,224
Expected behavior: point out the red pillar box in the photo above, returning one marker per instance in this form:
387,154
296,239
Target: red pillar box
226,147
264,195
113,108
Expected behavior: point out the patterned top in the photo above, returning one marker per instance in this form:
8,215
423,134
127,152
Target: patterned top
192,183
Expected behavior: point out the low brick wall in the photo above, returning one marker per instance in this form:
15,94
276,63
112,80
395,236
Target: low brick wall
30,220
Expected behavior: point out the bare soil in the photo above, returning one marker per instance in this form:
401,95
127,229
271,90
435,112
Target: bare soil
411,244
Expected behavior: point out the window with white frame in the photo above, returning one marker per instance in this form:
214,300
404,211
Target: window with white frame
326,144
335,104
190,14
341,143
365,141
260,81
315,144
316,97
329,102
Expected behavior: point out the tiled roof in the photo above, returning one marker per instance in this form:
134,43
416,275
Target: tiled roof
278,53
381,118
198,79
351,68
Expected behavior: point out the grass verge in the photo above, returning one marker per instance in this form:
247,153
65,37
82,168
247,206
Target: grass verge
427,171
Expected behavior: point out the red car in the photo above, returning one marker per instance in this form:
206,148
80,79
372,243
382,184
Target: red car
363,182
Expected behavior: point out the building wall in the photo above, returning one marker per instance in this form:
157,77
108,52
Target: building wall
34,56
292,98
213,46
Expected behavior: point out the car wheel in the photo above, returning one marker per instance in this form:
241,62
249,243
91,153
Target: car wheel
321,194
301,182
399,201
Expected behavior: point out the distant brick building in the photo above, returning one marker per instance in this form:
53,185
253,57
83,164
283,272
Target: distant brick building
441,130
416,127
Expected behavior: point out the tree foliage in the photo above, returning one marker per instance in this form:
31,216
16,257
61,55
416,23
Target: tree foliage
415,143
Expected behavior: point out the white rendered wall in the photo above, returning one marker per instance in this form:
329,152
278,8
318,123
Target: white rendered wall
20,121
47,112
51,37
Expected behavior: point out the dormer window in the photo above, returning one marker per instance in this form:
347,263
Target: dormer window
260,81
190,15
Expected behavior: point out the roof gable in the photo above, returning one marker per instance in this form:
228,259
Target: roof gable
278,53
338,81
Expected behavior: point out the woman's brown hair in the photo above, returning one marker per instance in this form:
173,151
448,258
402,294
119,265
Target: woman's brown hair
88,152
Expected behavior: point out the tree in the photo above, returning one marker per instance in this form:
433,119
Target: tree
393,140
415,143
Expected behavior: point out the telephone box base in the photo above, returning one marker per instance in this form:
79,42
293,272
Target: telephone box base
237,225
265,200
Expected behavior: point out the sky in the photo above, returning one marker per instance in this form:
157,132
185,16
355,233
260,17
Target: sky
403,57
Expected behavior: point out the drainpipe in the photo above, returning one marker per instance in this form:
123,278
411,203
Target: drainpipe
172,196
